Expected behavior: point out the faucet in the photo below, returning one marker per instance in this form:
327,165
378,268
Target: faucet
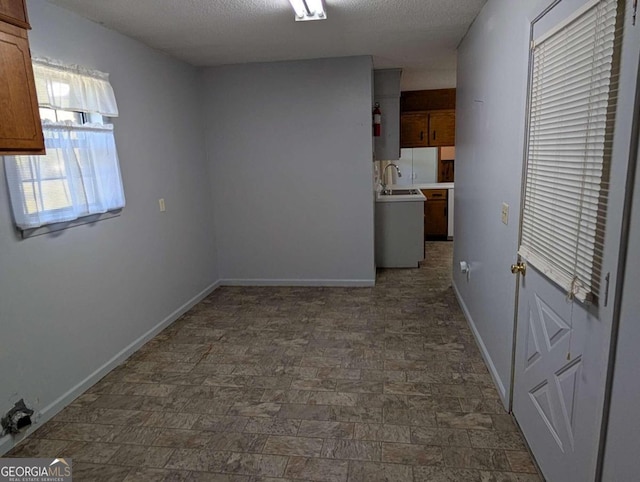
383,184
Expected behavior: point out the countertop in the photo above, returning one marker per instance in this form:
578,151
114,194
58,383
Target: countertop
434,185
419,197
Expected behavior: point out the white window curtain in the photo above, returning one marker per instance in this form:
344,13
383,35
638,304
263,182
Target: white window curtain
80,174
568,150
77,177
73,88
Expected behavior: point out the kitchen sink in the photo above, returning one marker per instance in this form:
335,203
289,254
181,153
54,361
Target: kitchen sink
400,192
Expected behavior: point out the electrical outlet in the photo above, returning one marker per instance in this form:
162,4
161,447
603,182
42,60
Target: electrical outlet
162,206
505,213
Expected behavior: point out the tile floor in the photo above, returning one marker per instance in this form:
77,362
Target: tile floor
321,384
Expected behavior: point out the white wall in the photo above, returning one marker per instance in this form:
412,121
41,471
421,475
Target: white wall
72,301
290,151
491,97
621,462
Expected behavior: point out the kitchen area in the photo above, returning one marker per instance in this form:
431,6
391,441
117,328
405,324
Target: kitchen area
414,155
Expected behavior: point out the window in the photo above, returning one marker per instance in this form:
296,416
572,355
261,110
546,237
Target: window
79,175
573,93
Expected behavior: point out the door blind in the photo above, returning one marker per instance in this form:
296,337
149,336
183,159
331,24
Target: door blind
569,144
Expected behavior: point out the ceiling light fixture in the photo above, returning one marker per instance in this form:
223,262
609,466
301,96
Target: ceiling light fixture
308,10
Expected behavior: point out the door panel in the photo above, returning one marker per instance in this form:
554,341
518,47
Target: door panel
562,345
559,379
442,128
413,130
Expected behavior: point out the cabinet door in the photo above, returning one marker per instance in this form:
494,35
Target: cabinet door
414,130
435,213
14,12
20,128
442,128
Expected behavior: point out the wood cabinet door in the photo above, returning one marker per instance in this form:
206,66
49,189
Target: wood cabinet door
414,130
442,128
14,12
435,214
20,128
435,218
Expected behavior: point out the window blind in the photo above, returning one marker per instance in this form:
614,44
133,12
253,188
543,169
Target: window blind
568,150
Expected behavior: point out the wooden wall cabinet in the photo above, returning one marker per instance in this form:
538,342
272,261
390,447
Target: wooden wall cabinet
20,128
442,128
428,129
414,130
14,12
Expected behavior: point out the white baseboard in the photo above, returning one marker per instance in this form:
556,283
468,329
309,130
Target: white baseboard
502,391
8,442
347,283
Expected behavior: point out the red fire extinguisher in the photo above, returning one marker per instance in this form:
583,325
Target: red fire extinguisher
377,120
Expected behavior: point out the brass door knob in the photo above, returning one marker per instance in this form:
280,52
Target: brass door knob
519,268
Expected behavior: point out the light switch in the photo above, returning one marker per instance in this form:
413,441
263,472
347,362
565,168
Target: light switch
161,203
505,213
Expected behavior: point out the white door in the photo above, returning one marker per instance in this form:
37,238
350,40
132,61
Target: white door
562,344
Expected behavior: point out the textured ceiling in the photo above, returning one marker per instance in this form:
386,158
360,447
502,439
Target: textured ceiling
419,36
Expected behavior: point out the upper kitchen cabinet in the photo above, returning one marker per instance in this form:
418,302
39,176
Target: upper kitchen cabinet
14,12
442,128
428,118
428,129
386,92
427,100
20,128
414,130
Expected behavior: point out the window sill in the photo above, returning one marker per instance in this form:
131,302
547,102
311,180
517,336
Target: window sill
55,227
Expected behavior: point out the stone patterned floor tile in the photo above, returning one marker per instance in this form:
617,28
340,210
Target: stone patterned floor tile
237,442
313,428
90,452
252,409
444,474
144,474
187,439
352,449
141,456
305,412
220,423
490,439
442,437
411,454
472,458
379,472
286,396
319,470
39,448
520,461
477,421
356,414
300,446
99,473
486,476
272,426
383,432
333,398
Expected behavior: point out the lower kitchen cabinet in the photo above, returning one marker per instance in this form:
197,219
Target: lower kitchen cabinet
435,214
399,235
